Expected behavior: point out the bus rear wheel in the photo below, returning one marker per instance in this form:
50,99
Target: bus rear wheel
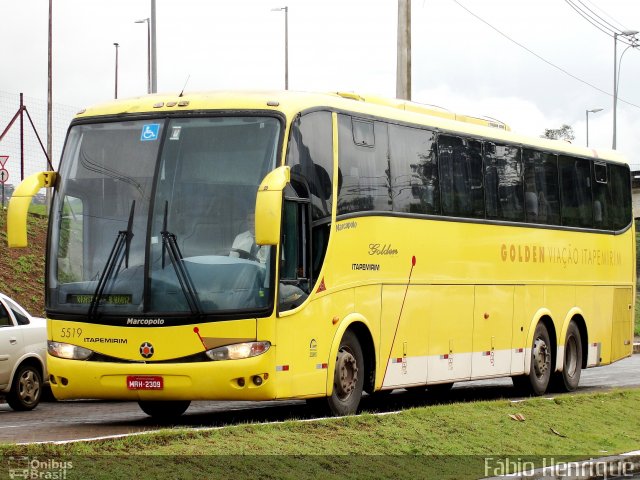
537,381
164,410
567,380
348,377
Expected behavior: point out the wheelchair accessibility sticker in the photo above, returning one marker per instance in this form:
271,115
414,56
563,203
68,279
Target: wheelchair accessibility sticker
150,132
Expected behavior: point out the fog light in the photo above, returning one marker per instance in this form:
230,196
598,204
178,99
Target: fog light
52,379
241,382
64,381
257,380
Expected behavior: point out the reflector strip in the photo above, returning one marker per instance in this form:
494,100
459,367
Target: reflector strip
396,360
322,366
486,354
282,368
444,357
519,350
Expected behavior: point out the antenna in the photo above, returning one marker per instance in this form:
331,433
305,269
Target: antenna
185,85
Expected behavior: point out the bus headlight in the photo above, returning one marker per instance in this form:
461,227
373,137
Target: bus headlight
68,351
238,351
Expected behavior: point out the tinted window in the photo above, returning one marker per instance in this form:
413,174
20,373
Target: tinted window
503,182
601,197
311,156
620,188
541,196
461,186
575,188
5,321
19,313
414,170
363,177
363,133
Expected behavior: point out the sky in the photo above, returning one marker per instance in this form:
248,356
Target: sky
533,64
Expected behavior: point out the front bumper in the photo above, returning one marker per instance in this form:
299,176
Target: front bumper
215,380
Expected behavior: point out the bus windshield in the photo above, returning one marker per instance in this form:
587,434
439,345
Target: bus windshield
156,217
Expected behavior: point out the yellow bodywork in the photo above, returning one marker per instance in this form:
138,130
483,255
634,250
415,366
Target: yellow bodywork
439,300
19,206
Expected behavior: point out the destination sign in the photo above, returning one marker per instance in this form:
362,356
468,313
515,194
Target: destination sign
110,299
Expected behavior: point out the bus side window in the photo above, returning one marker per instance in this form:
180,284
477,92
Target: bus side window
619,181
541,187
461,182
601,197
575,184
295,259
310,157
503,173
364,166
413,170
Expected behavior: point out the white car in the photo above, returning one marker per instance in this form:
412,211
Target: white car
23,348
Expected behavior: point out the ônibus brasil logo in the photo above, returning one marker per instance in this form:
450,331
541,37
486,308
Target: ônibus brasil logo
146,350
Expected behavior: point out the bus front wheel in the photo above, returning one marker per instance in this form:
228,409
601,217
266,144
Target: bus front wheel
537,381
348,377
164,410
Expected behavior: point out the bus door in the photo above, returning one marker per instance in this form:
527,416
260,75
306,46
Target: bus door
492,330
450,332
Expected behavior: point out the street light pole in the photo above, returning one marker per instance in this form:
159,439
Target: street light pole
50,90
626,33
154,56
146,20
595,110
403,68
116,90
286,44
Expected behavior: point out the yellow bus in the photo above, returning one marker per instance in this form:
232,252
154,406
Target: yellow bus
277,245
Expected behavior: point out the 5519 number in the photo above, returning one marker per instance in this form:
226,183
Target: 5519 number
70,332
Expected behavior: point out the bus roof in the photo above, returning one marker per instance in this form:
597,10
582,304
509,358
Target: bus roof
290,103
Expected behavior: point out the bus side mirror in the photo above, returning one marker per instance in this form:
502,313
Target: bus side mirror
269,206
19,206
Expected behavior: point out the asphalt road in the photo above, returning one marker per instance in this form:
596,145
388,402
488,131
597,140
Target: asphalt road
74,420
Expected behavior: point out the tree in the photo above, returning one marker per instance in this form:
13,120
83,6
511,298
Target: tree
565,132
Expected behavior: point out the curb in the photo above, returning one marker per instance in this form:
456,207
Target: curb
617,466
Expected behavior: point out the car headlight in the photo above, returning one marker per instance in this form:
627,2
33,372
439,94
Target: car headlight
68,351
238,351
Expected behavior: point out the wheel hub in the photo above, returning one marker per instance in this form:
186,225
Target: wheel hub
346,377
541,357
28,387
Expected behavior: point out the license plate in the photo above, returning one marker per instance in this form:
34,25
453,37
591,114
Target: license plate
145,382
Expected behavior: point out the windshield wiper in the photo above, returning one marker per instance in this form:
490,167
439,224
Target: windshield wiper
170,244
114,262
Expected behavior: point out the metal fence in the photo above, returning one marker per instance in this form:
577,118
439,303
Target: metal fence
35,159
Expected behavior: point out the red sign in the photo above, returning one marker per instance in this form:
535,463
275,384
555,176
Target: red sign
4,175
3,160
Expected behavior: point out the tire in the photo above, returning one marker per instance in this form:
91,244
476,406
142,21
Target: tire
537,382
568,379
26,388
348,377
164,410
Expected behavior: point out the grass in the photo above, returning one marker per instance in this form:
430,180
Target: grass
22,269
441,441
